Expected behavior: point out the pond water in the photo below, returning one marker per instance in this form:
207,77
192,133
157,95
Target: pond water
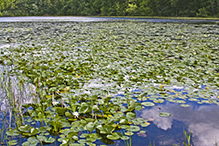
96,19
200,116
201,120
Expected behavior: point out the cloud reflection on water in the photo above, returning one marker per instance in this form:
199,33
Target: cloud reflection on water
201,120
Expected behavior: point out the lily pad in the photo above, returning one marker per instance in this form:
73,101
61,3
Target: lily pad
164,114
129,133
114,136
148,103
185,105
133,128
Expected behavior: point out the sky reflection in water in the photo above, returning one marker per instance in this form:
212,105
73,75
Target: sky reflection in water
202,120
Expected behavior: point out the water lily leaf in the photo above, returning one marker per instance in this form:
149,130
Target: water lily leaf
89,143
84,108
145,124
90,126
24,128
138,108
141,120
180,101
148,103
158,101
184,105
130,115
123,121
205,101
26,143
84,135
193,99
114,136
82,141
124,126
41,138
75,144
13,132
60,111
129,133
125,137
164,114
142,131
75,138
133,128
12,142
50,140
33,140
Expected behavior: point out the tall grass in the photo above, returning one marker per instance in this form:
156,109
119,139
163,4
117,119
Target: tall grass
187,138
14,91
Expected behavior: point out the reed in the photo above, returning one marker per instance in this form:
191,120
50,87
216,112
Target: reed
13,92
187,138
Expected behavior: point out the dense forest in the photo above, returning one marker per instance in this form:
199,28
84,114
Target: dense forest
188,8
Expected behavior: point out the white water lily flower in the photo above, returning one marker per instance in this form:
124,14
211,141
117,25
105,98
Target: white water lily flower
76,114
55,103
126,77
64,142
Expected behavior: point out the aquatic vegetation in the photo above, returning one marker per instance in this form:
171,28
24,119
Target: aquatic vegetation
187,138
91,78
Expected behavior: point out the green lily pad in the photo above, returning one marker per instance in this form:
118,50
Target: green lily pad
130,115
50,140
13,132
145,124
184,105
114,136
180,101
193,99
148,103
90,126
164,114
12,142
129,133
133,128
142,131
125,137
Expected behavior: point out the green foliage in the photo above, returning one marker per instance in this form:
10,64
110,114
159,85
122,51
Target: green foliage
189,8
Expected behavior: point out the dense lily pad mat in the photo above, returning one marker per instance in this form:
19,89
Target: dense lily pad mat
78,68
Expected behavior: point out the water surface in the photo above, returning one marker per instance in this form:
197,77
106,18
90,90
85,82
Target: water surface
97,19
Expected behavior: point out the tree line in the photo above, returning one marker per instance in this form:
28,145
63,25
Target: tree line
173,8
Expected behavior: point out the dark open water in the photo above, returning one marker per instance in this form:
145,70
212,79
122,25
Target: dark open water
96,19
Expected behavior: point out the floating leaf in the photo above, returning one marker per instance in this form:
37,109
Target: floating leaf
133,128
50,140
148,103
164,114
129,133
158,101
130,115
142,131
125,137
184,105
193,99
145,124
12,132
12,142
180,101
114,136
